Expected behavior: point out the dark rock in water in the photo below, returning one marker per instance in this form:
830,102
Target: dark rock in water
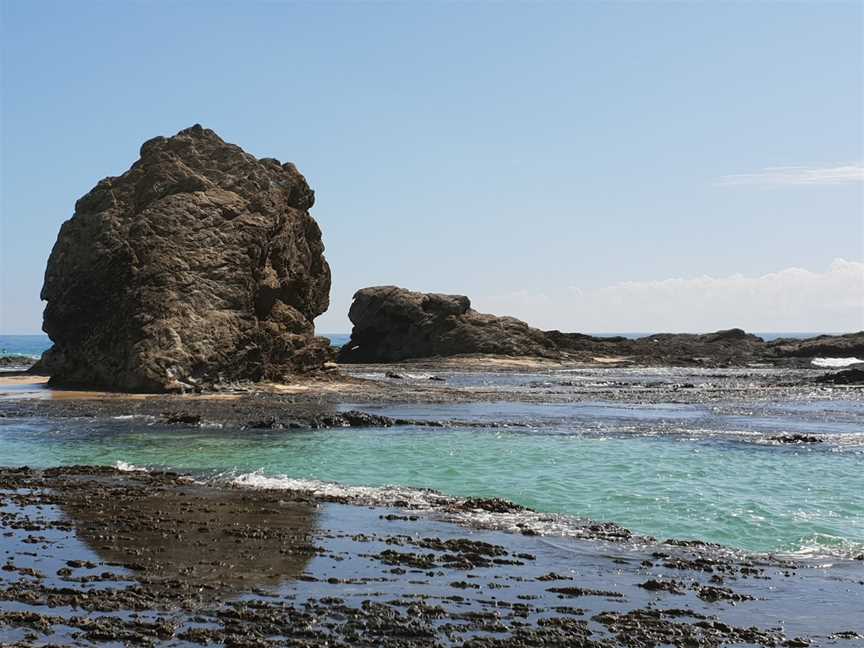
16,361
355,418
184,418
491,504
392,324
796,438
847,377
654,585
200,263
850,345
393,375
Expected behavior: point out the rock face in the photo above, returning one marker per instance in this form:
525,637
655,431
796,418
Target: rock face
392,324
199,263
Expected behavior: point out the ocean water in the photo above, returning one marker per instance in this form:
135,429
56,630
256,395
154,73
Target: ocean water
26,345
686,471
337,339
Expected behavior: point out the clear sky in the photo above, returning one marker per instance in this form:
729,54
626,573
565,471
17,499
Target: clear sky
584,166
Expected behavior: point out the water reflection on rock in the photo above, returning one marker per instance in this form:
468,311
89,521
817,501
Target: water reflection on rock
212,540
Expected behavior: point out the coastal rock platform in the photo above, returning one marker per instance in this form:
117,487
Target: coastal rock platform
96,556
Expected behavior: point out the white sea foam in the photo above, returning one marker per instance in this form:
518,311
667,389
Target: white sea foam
451,509
127,467
835,363
378,495
823,546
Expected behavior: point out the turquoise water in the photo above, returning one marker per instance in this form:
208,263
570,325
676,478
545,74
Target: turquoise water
669,471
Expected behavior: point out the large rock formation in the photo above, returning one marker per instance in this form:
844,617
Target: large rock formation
199,263
392,324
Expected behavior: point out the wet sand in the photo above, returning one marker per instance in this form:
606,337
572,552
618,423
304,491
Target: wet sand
96,556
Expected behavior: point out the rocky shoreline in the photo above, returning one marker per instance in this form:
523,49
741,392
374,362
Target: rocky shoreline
392,324
97,556
341,398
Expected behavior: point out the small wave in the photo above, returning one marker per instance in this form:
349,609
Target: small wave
381,495
835,363
124,466
452,509
823,550
824,547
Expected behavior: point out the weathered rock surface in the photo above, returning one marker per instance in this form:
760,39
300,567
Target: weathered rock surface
392,323
850,345
199,263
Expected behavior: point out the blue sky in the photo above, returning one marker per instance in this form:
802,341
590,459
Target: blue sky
584,166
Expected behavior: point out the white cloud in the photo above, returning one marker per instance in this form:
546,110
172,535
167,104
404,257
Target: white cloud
797,175
793,299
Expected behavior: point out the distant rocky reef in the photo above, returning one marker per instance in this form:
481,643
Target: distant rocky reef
393,324
850,345
200,263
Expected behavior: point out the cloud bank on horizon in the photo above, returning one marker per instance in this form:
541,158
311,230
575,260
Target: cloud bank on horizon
792,299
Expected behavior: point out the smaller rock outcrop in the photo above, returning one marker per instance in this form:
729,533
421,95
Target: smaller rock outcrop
392,324
721,348
850,345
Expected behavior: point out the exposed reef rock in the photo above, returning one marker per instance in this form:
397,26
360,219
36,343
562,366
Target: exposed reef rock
848,377
7,361
729,347
199,263
392,324
850,345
